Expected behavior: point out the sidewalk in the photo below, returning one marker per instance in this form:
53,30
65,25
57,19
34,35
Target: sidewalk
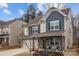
12,52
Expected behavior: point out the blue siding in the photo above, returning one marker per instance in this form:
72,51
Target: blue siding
52,17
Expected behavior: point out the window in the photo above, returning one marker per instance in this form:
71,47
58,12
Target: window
19,26
34,29
7,32
55,41
54,25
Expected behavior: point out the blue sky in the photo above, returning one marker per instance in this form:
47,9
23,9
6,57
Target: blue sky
16,10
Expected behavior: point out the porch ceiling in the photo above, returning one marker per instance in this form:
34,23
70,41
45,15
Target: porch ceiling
48,34
4,35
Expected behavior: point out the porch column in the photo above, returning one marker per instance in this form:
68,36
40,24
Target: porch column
36,43
5,41
33,43
63,43
66,43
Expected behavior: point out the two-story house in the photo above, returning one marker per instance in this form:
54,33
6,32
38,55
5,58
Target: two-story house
51,31
76,30
11,32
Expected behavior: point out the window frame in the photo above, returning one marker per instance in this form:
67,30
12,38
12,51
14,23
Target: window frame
54,25
56,40
34,31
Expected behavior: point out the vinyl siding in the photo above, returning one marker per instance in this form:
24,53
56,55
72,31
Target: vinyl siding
42,27
26,32
55,16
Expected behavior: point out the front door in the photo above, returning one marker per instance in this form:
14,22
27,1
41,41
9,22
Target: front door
52,43
56,43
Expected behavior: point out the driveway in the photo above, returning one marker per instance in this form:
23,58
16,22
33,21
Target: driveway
13,52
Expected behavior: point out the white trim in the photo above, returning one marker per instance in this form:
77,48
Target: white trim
43,27
54,25
35,29
26,31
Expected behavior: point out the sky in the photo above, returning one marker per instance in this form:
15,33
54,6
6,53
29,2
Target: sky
15,10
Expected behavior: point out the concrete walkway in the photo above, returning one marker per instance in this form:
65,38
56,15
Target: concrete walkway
12,52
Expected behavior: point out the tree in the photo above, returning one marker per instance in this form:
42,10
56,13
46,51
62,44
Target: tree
29,14
25,17
39,13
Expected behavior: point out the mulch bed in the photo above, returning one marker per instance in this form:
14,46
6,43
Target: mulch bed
40,53
47,53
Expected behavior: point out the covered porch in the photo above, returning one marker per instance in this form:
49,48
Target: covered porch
52,40
4,40
48,41
51,43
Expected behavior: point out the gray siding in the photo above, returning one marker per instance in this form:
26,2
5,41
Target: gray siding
52,17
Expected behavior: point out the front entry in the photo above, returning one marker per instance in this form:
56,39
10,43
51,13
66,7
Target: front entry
1,42
52,43
4,41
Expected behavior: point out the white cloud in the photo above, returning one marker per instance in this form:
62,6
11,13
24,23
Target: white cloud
41,7
3,5
7,11
21,12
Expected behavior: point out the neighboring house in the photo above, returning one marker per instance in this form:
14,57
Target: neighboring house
53,30
10,32
76,29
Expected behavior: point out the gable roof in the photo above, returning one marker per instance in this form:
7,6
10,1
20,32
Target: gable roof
2,23
38,20
64,12
35,21
9,22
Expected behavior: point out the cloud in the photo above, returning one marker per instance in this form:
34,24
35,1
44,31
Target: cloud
7,11
21,12
41,7
3,5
